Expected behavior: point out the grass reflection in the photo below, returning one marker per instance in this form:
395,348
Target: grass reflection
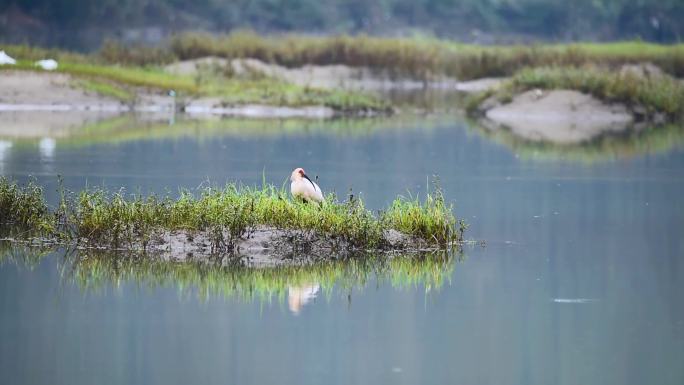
609,147
129,128
95,271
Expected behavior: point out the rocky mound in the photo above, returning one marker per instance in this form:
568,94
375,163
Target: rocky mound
558,116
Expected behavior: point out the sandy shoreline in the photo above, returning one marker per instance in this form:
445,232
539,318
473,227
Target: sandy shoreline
59,92
24,91
558,116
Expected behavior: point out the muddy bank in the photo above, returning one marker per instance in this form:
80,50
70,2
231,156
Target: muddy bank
25,93
558,116
264,246
571,105
316,76
44,89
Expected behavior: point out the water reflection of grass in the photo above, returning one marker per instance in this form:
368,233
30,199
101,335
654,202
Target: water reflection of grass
95,271
20,254
128,128
647,141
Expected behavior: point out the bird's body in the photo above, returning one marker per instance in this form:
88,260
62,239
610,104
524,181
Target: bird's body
304,188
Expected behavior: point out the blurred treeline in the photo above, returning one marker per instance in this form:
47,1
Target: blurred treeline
88,22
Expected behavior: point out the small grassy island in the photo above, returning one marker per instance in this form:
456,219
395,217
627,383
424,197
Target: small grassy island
579,106
655,98
254,222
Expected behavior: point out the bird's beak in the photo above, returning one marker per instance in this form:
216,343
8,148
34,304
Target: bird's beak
307,178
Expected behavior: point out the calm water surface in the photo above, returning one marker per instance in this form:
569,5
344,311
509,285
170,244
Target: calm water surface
580,282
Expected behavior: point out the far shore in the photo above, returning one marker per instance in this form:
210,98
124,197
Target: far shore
29,91
540,93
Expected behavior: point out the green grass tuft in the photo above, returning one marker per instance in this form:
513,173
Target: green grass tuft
432,219
229,213
106,88
24,207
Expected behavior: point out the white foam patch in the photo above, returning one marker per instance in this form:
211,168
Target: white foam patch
575,300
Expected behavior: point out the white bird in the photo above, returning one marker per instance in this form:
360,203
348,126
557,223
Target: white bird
303,187
6,59
47,64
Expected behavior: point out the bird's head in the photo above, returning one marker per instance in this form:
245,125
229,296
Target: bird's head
297,174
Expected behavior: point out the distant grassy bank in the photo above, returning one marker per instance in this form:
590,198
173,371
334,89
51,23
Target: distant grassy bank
127,82
226,216
421,58
118,71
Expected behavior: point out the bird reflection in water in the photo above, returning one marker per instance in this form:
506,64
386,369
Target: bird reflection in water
298,296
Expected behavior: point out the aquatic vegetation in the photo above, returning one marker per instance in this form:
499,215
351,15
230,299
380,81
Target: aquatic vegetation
24,206
227,215
426,220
